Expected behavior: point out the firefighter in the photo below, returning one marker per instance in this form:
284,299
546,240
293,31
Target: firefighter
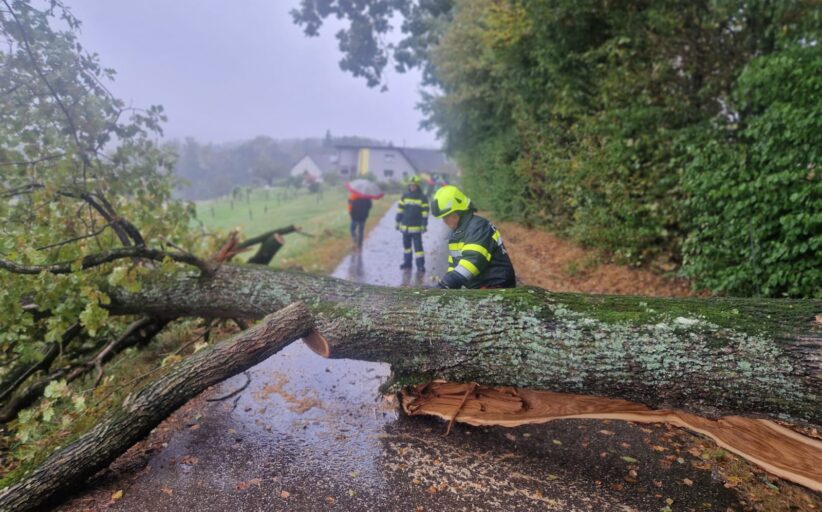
412,222
477,257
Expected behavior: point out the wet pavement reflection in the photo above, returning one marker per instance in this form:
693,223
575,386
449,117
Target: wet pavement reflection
314,434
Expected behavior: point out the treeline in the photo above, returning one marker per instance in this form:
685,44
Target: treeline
677,132
213,170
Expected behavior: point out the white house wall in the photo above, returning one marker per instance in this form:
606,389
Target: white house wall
389,164
306,164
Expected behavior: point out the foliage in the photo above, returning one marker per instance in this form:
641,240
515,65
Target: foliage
81,175
365,50
755,189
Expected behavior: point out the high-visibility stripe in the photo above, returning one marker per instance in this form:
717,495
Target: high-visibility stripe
407,251
496,236
412,229
469,267
477,248
419,253
455,246
450,259
450,269
412,201
464,272
425,213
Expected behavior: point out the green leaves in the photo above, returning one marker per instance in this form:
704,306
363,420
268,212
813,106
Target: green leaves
756,226
56,389
81,175
637,128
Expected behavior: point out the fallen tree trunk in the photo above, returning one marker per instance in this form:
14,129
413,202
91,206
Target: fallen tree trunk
146,408
713,357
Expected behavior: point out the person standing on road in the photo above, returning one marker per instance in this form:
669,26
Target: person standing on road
477,257
358,209
412,222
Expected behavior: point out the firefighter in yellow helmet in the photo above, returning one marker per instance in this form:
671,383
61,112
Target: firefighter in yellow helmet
412,222
477,256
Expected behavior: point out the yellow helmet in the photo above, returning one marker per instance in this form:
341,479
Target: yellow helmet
414,180
449,199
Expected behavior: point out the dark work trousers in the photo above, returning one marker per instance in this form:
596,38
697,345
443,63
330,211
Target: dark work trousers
357,229
416,239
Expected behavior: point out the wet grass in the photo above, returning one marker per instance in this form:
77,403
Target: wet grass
324,217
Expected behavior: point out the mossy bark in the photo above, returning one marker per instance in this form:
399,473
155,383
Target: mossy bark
146,408
710,356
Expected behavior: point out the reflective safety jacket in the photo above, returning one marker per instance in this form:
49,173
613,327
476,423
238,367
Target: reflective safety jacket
412,212
477,257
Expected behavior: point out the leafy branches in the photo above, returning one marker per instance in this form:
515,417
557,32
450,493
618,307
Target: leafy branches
85,200
94,260
365,50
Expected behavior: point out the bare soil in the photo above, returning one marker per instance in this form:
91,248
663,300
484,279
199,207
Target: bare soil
548,261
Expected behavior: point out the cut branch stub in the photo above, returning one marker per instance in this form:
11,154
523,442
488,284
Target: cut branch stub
317,343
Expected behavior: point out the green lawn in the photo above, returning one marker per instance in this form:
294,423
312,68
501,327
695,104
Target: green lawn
325,217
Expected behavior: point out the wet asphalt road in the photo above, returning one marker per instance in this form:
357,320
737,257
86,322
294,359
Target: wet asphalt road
313,434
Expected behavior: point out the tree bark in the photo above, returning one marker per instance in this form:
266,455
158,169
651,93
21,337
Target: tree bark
713,357
268,249
146,408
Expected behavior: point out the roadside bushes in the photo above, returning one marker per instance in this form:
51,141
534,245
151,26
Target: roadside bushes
678,134
755,190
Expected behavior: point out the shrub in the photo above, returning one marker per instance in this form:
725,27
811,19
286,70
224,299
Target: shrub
756,195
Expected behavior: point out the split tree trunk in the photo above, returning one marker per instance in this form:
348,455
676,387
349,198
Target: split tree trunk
713,357
146,408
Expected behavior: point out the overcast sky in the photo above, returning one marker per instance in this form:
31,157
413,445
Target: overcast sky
228,71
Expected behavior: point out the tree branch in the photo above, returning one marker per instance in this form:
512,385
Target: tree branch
51,89
93,260
75,239
140,331
18,376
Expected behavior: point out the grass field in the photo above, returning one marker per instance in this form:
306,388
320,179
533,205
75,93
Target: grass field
325,217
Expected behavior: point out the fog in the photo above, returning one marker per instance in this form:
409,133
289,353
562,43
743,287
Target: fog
232,71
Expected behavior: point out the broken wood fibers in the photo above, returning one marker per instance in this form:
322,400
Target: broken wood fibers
778,450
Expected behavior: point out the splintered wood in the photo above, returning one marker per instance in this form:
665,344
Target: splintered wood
779,450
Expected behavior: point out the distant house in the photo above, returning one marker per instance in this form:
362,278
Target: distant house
385,163
315,165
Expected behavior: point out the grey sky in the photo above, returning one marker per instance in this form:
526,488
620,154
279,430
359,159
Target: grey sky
228,71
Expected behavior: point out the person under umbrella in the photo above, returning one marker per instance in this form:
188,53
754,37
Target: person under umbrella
361,192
